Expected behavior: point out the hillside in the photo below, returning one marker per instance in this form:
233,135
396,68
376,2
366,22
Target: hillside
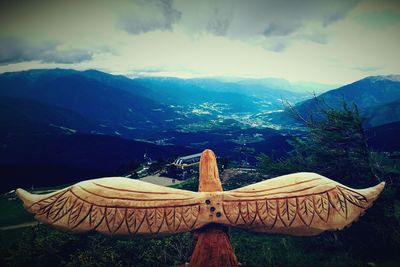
365,93
60,126
383,114
376,98
385,137
24,115
120,104
53,158
96,101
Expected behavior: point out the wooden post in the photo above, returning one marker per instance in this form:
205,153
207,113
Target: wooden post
213,247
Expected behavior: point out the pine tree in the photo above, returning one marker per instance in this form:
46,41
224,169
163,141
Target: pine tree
334,145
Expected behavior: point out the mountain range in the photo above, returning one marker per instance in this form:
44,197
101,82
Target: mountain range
62,125
376,97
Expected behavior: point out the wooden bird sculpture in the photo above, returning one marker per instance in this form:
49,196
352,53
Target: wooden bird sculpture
298,204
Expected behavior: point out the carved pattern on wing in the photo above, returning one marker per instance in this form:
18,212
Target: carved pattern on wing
248,211
354,197
338,201
45,205
190,215
231,212
267,212
114,218
61,206
321,206
77,213
96,216
134,219
287,209
306,209
302,208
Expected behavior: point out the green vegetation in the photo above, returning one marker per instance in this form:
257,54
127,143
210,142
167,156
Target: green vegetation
191,184
13,213
367,241
43,246
12,210
214,124
335,146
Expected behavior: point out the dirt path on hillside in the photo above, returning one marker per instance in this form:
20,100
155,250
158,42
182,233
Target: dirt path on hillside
158,180
17,226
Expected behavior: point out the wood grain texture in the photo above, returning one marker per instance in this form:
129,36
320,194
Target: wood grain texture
119,206
209,177
295,204
212,246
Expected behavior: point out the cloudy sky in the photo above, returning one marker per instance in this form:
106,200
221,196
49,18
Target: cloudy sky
332,42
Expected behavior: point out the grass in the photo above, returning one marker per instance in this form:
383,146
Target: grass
7,238
12,212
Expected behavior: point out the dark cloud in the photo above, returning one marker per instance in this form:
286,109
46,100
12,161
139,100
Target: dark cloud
146,16
15,50
171,15
274,29
66,57
218,26
333,17
278,47
317,37
272,24
368,68
220,18
290,19
236,19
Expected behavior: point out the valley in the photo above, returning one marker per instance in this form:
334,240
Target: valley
60,126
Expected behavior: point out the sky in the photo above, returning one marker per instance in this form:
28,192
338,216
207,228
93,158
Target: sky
331,42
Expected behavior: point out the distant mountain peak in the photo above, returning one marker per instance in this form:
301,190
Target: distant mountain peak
391,77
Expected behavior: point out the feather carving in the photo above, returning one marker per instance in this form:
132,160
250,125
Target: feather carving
296,204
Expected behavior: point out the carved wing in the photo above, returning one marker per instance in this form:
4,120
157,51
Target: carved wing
117,205
297,204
